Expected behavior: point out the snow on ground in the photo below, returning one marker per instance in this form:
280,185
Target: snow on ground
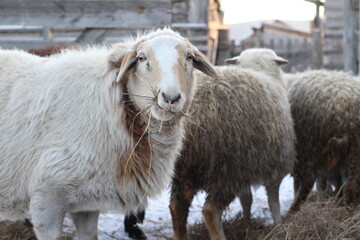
158,215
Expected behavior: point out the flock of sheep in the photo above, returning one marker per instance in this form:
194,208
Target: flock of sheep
95,129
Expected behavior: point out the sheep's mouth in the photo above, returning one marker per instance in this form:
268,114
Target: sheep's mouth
160,114
158,108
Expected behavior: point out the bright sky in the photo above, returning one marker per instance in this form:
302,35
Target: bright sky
237,11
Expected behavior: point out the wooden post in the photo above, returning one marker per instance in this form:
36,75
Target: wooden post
47,34
317,49
223,51
307,53
281,45
357,33
243,45
351,18
317,46
289,46
232,48
318,3
272,45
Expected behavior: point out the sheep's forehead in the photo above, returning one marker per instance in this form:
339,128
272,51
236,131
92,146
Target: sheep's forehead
165,50
258,54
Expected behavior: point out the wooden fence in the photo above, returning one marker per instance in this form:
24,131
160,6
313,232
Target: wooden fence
25,37
36,23
297,52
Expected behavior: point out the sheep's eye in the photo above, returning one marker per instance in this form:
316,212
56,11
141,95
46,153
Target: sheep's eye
190,57
141,58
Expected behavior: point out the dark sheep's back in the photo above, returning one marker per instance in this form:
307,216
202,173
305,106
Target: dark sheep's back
244,136
326,112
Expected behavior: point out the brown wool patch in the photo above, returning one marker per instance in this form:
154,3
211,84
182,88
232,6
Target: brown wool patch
91,175
52,49
155,73
137,161
180,68
184,81
331,163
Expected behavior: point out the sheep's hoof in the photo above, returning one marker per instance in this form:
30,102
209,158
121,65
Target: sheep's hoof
135,232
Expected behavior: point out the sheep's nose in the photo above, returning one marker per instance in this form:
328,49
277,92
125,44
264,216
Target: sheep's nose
171,99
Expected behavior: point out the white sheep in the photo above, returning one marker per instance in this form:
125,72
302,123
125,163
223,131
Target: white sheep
325,106
290,78
248,140
261,60
90,130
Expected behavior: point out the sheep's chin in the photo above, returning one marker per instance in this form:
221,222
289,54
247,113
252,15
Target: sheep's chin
160,114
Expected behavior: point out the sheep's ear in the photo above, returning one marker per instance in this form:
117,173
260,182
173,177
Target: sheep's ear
280,61
232,61
118,53
127,63
202,63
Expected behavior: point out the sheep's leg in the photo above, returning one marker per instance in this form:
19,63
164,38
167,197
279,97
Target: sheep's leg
349,176
246,201
350,192
297,183
212,217
47,215
86,224
338,187
272,190
323,188
305,186
212,212
131,227
180,202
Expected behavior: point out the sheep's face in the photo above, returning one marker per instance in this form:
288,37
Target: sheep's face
160,76
257,58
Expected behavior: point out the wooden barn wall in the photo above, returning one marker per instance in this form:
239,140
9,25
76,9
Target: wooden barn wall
334,28
35,23
81,14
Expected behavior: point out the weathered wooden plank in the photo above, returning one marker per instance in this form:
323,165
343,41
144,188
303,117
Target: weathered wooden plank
333,32
334,35
335,15
190,26
179,11
91,35
201,38
335,18
333,52
351,21
25,45
334,24
121,14
198,11
334,4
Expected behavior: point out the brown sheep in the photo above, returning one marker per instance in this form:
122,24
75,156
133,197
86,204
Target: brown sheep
248,140
325,106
